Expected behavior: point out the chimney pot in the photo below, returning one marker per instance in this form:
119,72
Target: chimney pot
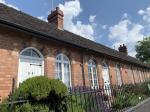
123,49
57,8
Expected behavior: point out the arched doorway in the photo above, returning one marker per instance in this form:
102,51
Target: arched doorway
31,64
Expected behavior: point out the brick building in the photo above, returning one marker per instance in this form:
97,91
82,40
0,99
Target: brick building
31,47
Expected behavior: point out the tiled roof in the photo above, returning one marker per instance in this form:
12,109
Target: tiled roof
21,19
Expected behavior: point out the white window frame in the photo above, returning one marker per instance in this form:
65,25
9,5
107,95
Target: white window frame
91,66
62,61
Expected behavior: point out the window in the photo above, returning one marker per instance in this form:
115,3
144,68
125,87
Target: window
63,69
92,71
118,74
31,53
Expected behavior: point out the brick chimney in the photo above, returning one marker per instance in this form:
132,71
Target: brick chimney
123,49
56,18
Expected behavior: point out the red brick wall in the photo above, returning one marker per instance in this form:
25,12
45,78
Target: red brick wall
12,43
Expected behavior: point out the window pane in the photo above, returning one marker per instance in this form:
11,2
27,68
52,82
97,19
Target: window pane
92,74
59,71
65,58
35,54
95,83
59,57
91,83
27,52
31,52
66,74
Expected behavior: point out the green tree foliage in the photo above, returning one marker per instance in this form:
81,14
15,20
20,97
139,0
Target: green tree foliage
143,50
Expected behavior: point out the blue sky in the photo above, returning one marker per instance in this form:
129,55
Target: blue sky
109,22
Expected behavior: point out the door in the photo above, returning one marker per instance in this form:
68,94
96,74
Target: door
118,75
30,64
35,68
29,68
106,79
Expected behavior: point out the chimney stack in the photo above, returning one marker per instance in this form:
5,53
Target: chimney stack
56,18
123,49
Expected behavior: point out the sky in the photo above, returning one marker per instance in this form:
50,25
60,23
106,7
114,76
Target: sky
108,22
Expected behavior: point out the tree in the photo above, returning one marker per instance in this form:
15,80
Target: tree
143,50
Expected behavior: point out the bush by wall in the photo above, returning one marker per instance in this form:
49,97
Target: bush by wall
43,94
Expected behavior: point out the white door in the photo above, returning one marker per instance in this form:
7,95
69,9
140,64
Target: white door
35,68
106,80
29,68
118,75
106,77
30,64
24,70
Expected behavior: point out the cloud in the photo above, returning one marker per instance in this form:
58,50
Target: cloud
145,14
126,32
4,2
125,15
141,12
92,18
104,27
72,10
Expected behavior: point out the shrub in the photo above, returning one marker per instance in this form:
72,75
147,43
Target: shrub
43,94
27,107
140,88
84,102
144,88
58,95
121,101
130,95
35,88
4,107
